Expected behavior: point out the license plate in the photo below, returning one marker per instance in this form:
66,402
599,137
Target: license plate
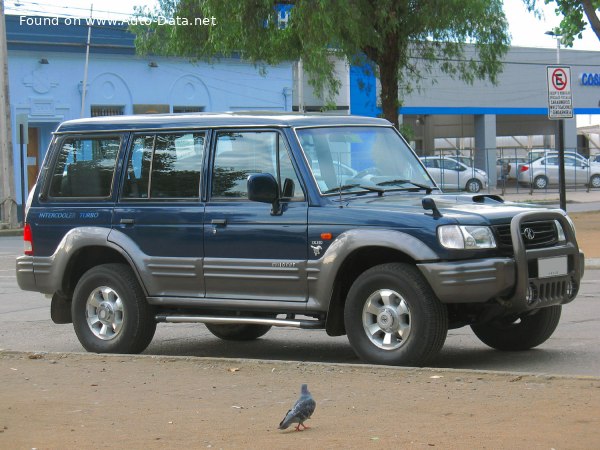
552,267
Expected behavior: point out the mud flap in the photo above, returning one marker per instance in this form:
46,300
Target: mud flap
60,309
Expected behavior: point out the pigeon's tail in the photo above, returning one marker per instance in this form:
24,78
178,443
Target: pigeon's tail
287,421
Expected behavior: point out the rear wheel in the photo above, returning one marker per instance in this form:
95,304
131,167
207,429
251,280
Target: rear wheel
110,312
519,333
393,317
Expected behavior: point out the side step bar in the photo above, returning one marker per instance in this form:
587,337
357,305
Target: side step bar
304,324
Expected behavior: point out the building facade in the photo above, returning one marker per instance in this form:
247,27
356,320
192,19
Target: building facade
47,68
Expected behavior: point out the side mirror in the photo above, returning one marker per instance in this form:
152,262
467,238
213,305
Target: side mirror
262,187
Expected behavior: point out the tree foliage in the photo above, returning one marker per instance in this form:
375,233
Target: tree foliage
576,15
401,41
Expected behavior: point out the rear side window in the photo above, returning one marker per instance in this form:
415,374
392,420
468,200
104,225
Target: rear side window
85,167
164,166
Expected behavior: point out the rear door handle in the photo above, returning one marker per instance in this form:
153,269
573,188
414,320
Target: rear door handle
217,222
127,221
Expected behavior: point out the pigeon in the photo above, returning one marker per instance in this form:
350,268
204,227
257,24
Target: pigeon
301,411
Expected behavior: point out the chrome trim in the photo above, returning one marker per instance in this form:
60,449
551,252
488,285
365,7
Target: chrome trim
305,324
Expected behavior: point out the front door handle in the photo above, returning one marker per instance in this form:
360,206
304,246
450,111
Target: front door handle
219,222
127,221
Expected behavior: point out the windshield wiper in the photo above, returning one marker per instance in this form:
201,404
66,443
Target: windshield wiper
347,187
420,186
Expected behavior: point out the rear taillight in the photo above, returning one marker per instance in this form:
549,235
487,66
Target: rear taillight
27,240
523,168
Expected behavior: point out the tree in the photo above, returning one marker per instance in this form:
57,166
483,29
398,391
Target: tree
573,11
399,40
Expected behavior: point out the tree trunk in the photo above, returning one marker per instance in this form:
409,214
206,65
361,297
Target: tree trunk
590,12
388,75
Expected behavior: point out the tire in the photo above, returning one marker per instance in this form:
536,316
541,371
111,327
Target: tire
516,334
110,311
393,317
238,331
595,181
540,182
473,186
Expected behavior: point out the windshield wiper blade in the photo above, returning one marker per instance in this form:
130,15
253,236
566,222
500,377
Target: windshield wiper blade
429,189
347,187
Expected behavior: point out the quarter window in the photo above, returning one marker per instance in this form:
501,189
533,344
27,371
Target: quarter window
85,167
165,166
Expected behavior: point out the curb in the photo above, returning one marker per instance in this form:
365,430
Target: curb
11,232
116,357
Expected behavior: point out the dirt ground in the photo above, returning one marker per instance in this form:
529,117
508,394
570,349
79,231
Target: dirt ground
587,226
80,401
90,401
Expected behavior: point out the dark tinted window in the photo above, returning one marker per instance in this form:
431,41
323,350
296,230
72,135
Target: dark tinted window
165,166
85,167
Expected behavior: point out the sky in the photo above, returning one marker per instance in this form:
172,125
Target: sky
525,29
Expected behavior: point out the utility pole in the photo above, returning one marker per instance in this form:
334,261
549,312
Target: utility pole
8,205
87,62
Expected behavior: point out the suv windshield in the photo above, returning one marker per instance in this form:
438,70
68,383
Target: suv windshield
359,158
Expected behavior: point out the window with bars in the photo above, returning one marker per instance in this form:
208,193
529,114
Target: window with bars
107,110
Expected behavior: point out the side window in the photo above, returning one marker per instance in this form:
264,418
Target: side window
85,167
164,166
240,154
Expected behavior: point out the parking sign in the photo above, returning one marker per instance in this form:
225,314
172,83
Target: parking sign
560,100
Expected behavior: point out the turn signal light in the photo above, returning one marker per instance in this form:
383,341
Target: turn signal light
27,240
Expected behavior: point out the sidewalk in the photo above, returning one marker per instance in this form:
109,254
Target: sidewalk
75,400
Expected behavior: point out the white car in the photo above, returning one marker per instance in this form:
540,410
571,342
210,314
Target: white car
450,174
544,171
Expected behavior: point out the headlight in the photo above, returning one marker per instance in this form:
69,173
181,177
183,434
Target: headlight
466,237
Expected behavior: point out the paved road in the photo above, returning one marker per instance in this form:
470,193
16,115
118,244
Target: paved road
573,349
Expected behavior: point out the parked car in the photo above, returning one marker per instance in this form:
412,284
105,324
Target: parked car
220,219
450,174
509,167
537,154
544,172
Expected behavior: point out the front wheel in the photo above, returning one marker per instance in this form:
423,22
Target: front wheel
110,312
519,333
473,186
595,181
393,317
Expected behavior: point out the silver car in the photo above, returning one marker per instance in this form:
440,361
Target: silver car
450,174
508,167
544,172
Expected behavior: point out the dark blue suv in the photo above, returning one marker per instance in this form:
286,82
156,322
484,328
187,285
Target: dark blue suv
248,221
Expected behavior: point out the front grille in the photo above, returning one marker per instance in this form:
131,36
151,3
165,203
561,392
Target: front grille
535,235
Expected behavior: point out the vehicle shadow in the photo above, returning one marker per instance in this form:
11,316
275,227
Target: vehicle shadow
315,346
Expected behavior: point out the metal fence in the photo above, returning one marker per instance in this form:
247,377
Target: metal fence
511,170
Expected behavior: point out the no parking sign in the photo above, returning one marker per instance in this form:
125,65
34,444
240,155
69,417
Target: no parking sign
560,100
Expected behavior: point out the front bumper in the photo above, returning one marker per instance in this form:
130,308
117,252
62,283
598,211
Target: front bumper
513,282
